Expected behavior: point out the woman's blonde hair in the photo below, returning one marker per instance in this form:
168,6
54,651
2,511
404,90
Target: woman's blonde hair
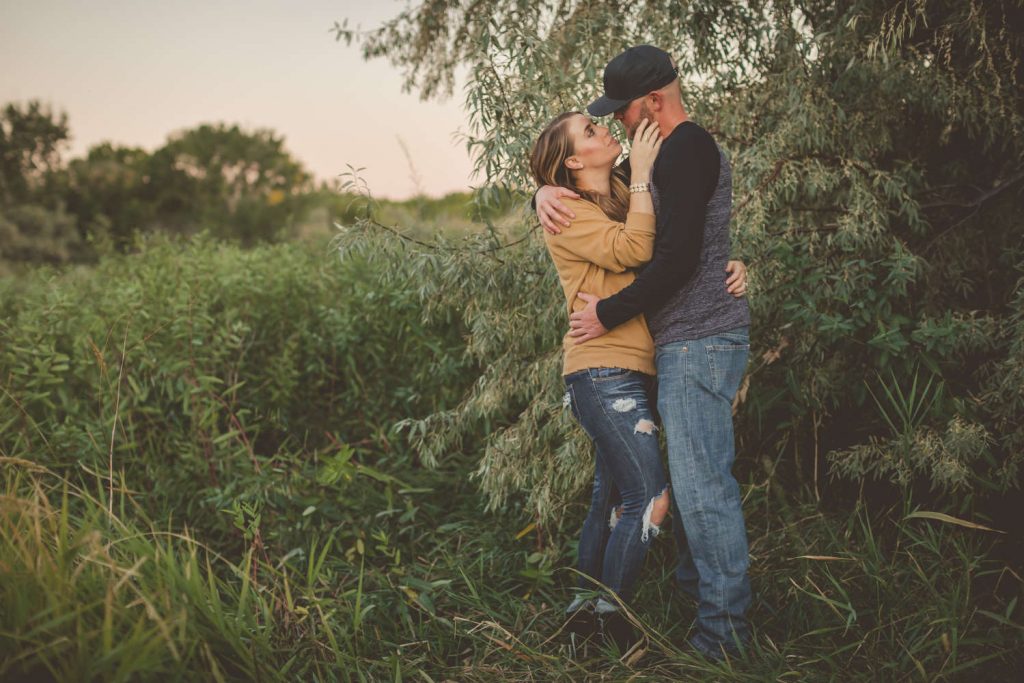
547,163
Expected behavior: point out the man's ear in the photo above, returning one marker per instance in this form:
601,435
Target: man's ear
654,101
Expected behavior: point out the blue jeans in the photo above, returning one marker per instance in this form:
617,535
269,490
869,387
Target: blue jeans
611,404
697,381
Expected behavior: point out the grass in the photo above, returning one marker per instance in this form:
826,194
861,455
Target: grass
243,510
426,587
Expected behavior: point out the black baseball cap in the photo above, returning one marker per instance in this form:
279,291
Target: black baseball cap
633,74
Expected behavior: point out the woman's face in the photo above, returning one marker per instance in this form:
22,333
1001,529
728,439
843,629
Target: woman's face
593,145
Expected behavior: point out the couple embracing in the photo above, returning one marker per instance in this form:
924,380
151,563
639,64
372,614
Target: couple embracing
659,333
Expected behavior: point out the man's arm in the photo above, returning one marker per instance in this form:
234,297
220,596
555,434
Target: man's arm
685,177
552,213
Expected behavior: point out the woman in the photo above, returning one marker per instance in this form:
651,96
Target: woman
608,379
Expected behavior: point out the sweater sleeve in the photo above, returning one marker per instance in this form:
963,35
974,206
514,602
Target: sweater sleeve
685,174
594,237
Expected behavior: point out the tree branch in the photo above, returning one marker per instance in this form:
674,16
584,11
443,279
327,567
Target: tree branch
976,206
980,199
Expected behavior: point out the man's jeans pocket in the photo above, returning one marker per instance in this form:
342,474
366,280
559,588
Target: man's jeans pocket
727,360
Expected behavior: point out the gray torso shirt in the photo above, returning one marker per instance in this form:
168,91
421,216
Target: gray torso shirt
703,307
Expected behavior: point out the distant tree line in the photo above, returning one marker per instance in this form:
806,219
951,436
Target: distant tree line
238,185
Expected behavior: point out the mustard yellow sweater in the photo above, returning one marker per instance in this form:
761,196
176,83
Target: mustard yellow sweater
593,255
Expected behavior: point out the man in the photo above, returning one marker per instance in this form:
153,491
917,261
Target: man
701,335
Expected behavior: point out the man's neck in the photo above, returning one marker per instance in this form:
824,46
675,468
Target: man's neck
670,120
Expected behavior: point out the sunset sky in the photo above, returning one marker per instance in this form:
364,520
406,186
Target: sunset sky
133,72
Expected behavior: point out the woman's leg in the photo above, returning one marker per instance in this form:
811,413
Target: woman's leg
612,406
594,535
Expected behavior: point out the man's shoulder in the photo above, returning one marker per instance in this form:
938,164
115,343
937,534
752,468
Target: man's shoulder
689,149
688,135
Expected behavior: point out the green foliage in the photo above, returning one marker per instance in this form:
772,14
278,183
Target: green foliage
516,401
452,215
219,175
1004,379
200,481
34,227
31,139
236,185
876,150
88,596
111,194
374,581
34,234
200,473
949,460
216,364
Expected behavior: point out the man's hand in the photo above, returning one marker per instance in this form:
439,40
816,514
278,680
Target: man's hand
736,283
553,214
585,324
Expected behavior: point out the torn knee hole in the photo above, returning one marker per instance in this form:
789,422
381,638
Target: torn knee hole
615,516
661,504
654,515
644,426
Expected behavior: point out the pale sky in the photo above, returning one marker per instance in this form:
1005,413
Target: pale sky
132,72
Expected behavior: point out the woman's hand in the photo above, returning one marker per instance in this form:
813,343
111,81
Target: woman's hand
644,150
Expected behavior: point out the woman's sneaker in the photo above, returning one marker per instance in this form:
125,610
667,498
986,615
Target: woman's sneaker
616,630
581,626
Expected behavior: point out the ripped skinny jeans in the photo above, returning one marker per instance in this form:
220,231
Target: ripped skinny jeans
612,406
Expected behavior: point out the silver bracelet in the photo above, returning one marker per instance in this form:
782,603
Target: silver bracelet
640,187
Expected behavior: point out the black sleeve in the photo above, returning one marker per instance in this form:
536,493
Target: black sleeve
686,174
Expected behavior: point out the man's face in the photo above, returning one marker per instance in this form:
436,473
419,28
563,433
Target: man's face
632,114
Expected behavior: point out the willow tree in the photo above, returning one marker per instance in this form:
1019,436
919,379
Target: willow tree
877,151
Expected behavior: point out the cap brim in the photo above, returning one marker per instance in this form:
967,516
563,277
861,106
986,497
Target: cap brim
605,105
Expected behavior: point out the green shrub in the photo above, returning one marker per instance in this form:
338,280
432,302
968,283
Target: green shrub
192,367
876,155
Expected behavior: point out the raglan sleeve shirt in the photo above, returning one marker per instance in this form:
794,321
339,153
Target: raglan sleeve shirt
685,174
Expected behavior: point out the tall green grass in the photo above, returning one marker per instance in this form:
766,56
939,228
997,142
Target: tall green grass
196,373
88,596
200,482
431,590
